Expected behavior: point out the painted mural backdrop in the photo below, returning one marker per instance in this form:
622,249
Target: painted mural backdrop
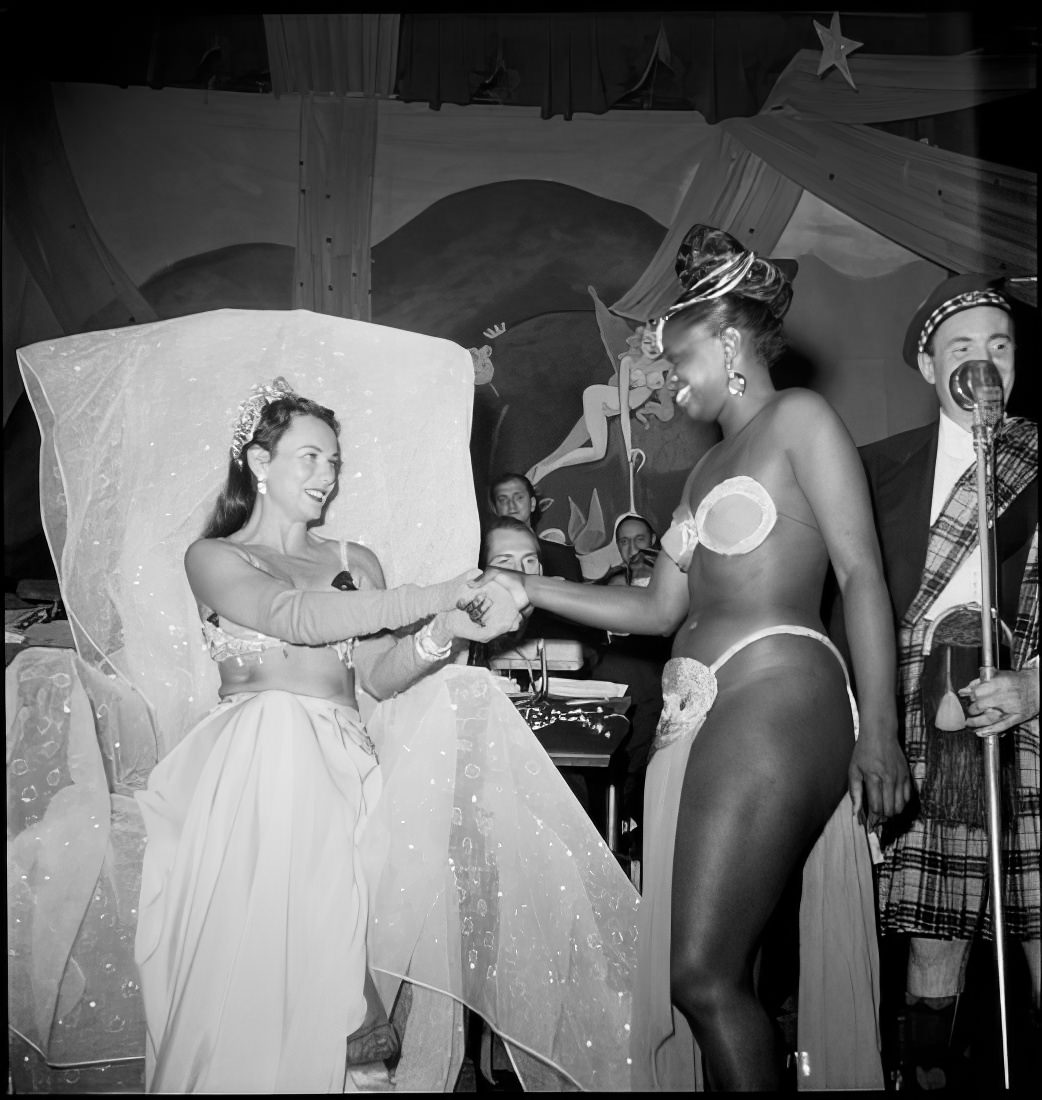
505,238
539,259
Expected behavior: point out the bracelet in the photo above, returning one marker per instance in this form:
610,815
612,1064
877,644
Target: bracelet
427,649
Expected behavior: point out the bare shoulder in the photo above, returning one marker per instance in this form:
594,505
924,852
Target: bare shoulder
214,565
208,553
803,420
800,407
223,557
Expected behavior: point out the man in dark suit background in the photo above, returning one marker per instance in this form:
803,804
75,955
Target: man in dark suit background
933,879
513,495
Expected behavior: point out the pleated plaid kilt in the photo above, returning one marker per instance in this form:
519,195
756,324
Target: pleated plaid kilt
934,879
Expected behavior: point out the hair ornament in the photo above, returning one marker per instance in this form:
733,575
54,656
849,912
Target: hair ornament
250,410
711,263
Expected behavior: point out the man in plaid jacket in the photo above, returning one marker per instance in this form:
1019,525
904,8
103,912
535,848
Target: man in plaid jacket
934,877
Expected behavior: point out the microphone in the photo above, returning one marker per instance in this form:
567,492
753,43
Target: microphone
978,384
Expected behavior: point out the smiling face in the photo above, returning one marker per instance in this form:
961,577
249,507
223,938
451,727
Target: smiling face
512,549
985,332
698,375
302,473
632,535
512,498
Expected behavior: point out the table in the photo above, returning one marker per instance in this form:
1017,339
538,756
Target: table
582,735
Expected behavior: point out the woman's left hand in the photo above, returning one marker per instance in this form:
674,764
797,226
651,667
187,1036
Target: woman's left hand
1008,699
499,615
878,778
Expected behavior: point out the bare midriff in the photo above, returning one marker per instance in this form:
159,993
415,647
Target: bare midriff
303,670
778,583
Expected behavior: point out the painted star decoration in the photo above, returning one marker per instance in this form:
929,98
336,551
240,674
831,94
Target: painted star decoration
835,49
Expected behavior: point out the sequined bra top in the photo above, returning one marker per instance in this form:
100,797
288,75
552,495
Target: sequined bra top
228,641
733,518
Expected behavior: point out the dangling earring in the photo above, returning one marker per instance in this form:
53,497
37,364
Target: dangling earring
735,381
262,485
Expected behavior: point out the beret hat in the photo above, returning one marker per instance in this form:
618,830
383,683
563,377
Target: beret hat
954,295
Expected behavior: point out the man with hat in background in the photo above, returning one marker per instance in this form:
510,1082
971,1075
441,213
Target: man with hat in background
933,881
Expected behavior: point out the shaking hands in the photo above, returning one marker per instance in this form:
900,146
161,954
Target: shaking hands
485,612
487,605
511,582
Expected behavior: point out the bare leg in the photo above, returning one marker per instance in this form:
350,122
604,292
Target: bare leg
578,435
599,402
766,771
1031,953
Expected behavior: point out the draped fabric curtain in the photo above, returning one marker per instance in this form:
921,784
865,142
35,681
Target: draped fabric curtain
334,210
47,221
571,62
339,53
958,211
734,189
898,87
553,60
339,64
962,213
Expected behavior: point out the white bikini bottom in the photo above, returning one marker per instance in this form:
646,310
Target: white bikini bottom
689,687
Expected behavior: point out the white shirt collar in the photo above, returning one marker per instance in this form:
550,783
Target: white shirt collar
955,442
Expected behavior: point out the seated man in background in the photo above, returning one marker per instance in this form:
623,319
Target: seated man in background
637,661
637,543
515,504
510,544
513,495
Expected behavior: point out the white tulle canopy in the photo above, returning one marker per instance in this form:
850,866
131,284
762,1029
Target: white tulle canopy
136,424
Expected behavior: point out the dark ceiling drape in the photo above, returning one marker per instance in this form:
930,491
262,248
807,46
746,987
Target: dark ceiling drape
569,62
341,53
720,64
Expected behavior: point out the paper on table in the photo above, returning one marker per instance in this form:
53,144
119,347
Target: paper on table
564,688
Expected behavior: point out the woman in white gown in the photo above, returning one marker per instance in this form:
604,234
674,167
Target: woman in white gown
252,923
474,879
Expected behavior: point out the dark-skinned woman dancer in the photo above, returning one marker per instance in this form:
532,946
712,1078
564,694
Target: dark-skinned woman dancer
759,738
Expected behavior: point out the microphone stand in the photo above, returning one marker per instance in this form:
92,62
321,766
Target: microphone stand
983,446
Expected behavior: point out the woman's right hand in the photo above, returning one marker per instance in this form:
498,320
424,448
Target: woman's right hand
466,593
499,616
878,778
